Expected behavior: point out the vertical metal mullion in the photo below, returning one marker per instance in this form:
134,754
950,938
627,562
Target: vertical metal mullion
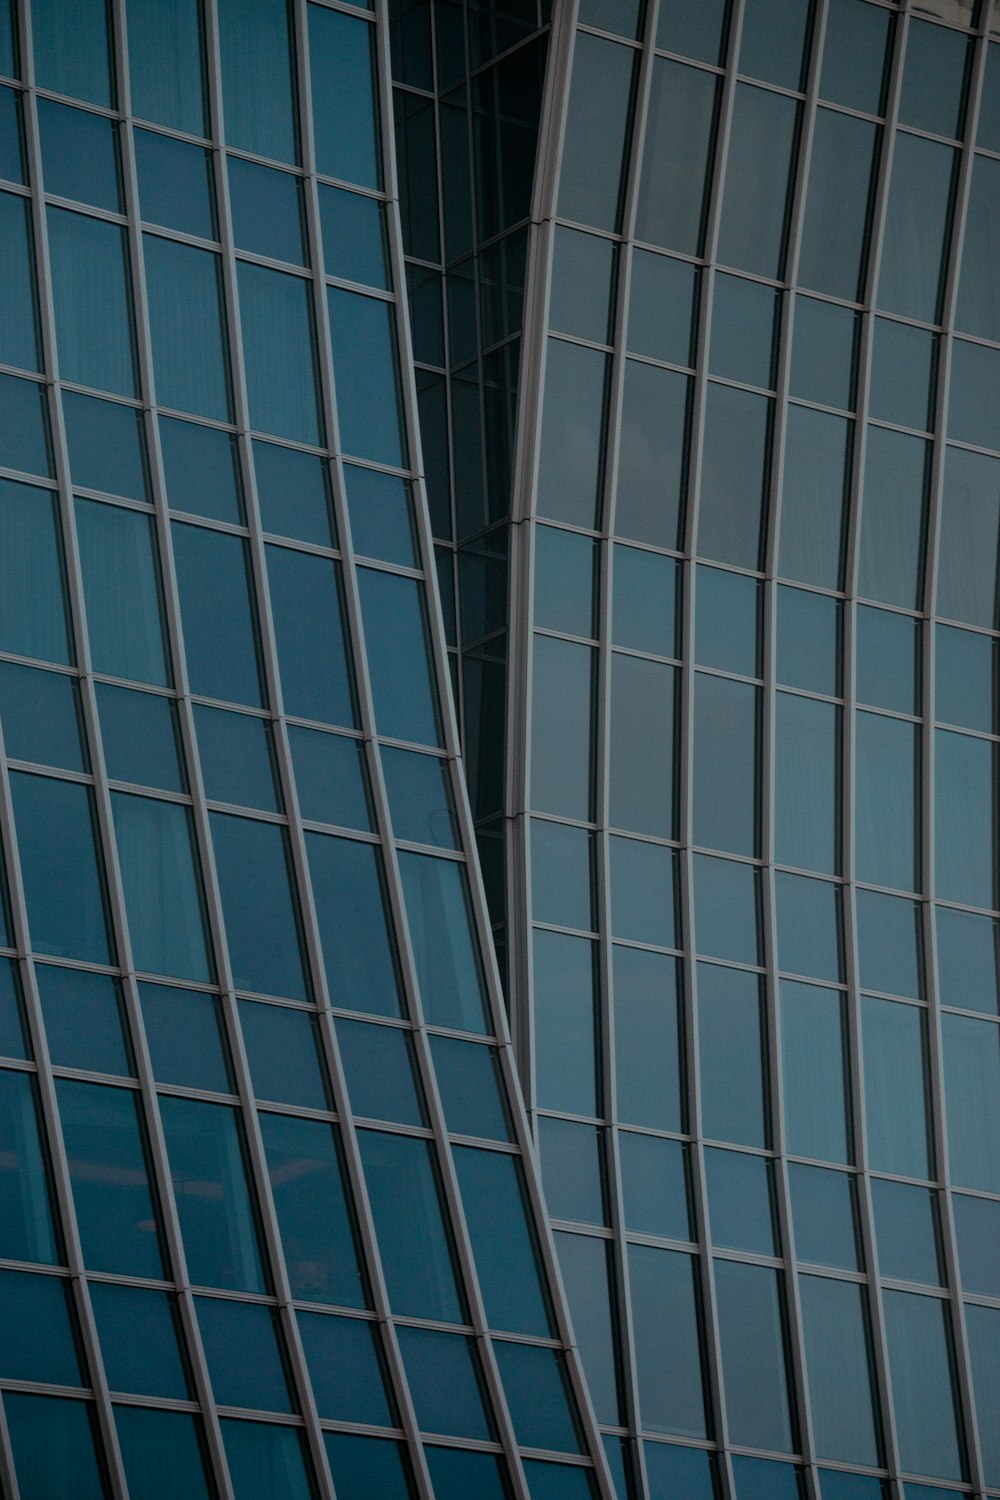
966,1395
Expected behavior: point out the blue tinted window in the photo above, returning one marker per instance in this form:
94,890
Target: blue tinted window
967,960
84,1021
217,1215
446,1383
379,1069
562,874
814,481
220,636
538,1396
166,63
442,934
24,428
963,690
53,1442
964,790
279,351
267,211
916,229
294,493
115,1208
267,1460
643,899
11,143
139,733
243,1350
893,518
807,769
70,40
27,1229
654,1178
977,1224
258,904
984,1349
809,920
664,1302
107,447
740,1201
175,179
201,470
972,1075
237,760
402,1184
753,1354
895,1065
186,1038
354,238
762,1479
921,1367
32,600
469,1084
331,779
359,961
854,74
187,327
837,1339
62,877
503,1240
887,802
420,797
904,365
643,740
79,155
808,628
571,1156
368,398
672,1470
346,1368
824,1216
824,348
814,1067
398,656
565,1033
13,1041
343,90
90,286
646,1038
741,346
37,1329
40,716
726,905
121,582
381,516
307,1181
282,1050
308,626
731,1043
139,1334
257,78
889,944
888,660
163,896
19,339
599,97
726,621
565,592
361,1464
585,1265
162,1450
725,769
906,1232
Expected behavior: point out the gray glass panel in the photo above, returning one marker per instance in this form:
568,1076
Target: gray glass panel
662,304
564,581
413,1238
725,771
342,59
401,671
561,730
893,518
895,1072
309,633
732,1050
890,946
279,352
740,1201
582,268
175,182
107,448
907,1232
972,1082
220,631
753,223
140,736
744,318
693,32
565,1023
90,286
824,350
561,874
664,1303
655,1186
854,56
887,801
163,896
258,905
187,327
977,1223
677,157
596,130
965,791
257,80
647,1040
569,465
773,39
835,227
903,375
824,1216
934,79
984,1350
641,791
79,155
888,660
54,1441
963,689
121,581
978,309
643,899
727,608
166,63
726,909
379,1070
808,914
920,1362
19,338
60,866
974,407
807,802
571,1170
652,460
585,1267
967,955
808,629
842,1397
969,551
753,1355
814,487
815,1072
917,228
734,476
359,961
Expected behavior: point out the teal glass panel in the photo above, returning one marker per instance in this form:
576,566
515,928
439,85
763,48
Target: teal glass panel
921,1364
218,1217
345,120
623,20
175,184
24,427
402,678
808,629
331,779
674,182
293,490
503,1240
641,775
217,612
107,446
854,65
814,1067
725,764
907,1232
84,1020
283,1054
32,600
773,39
355,245
243,1351
824,350
647,1042
381,511
893,518
257,78
965,772
585,1266
887,801
967,954
972,1084
662,303
890,955
358,956
978,309
751,1328
71,46
970,532
763,1479
90,287
358,1463
974,408
140,736
18,314
570,481
121,585
917,228
79,155
368,393
8,57
267,211
107,1154
571,1170
582,273
279,352
13,1038
753,223
664,1287
807,779
54,1442
934,79
888,660
186,327
742,343
237,759
562,874
258,905
643,897
166,63
446,1383
732,1051
565,1035
983,1324
266,1460
347,1369
824,1216
977,1221
652,460
726,909
27,1228
673,1470
815,481
727,610
162,1452
413,1236
420,797
655,1186
11,133
538,1396
186,1036
41,717
60,867
903,375
835,226
597,126
895,1070
841,1393
39,1340
698,33
378,1064
139,1332
644,607
307,608
549,1481
963,688
735,451
740,1201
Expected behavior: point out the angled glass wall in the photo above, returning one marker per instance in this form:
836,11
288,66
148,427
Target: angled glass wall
269,1226
753,737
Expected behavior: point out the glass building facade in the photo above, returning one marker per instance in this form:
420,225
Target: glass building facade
499,613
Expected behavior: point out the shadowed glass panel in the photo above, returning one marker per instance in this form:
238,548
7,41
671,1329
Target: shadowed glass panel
753,223
808,630
175,183
503,1240
257,78
569,465
647,1040
538,1396
358,955
887,801
19,336
446,1383
187,327
40,714
121,582
399,656
917,228
585,1265
967,954
824,352
307,607
347,1369
32,600
895,1073
258,905
317,1224
443,937
652,461
166,63
342,62
139,1332
358,1463
562,701
279,353
217,612
71,45
24,428
54,1442
63,881
972,1084
140,736
907,1232
642,753
934,79
978,309
677,156
662,304
807,801
582,276
835,226
842,1397
90,287
186,1036
283,1054
162,886
921,1365
84,1020
368,393
79,155
664,1304
854,57
162,1453
27,1227
735,452
596,130
243,1352
742,342
731,1043
751,1327
267,1462
815,1072
725,771
965,794
814,486
969,550
565,1025
413,1236
378,1066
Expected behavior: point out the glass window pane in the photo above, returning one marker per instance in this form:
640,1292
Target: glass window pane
314,1213
343,91
308,625
973,411
217,612
572,1170
201,468
907,1232
582,271
972,1075
32,600
565,1037
359,1463
54,1446
139,1333
965,772
90,286
331,779
355,245
378,1066
267,211
677,153
662,303
807,783
967,954
217,1215
140,736
644,608
283,1054
824,1215
381,510
107,446
934,79
469,1081
854,56
162,1448
652,460
740,1201
596,131
84,1020
727,608
538,1396
888,660
166,63
895,1072
174,177
727,909
446,1383
27,1228
808,630
19,338
186,1037
753,1354
815,1072
963,689
824,351
121,582
413,1236
39,1340
835,226
655,1187
562,699
243,1351
237,759
186,327
63,881
808,916
643,898
642,755
293,490
359,955
267,1460
24,428
903,376
346,1368
772,41
647,1041
732,1048
279,349
814,485
664,1304
115,1204
725,771
570,481
761,150
921,1364
13,1038
503,1240
257,78
742,345
562,875
889,944
258,904
887,801
978,309
917,228
79,155
585,1266
984,1345
402,677
70,42
893,518
976,1225
970,531
734,475
41,717
163,895
693,33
